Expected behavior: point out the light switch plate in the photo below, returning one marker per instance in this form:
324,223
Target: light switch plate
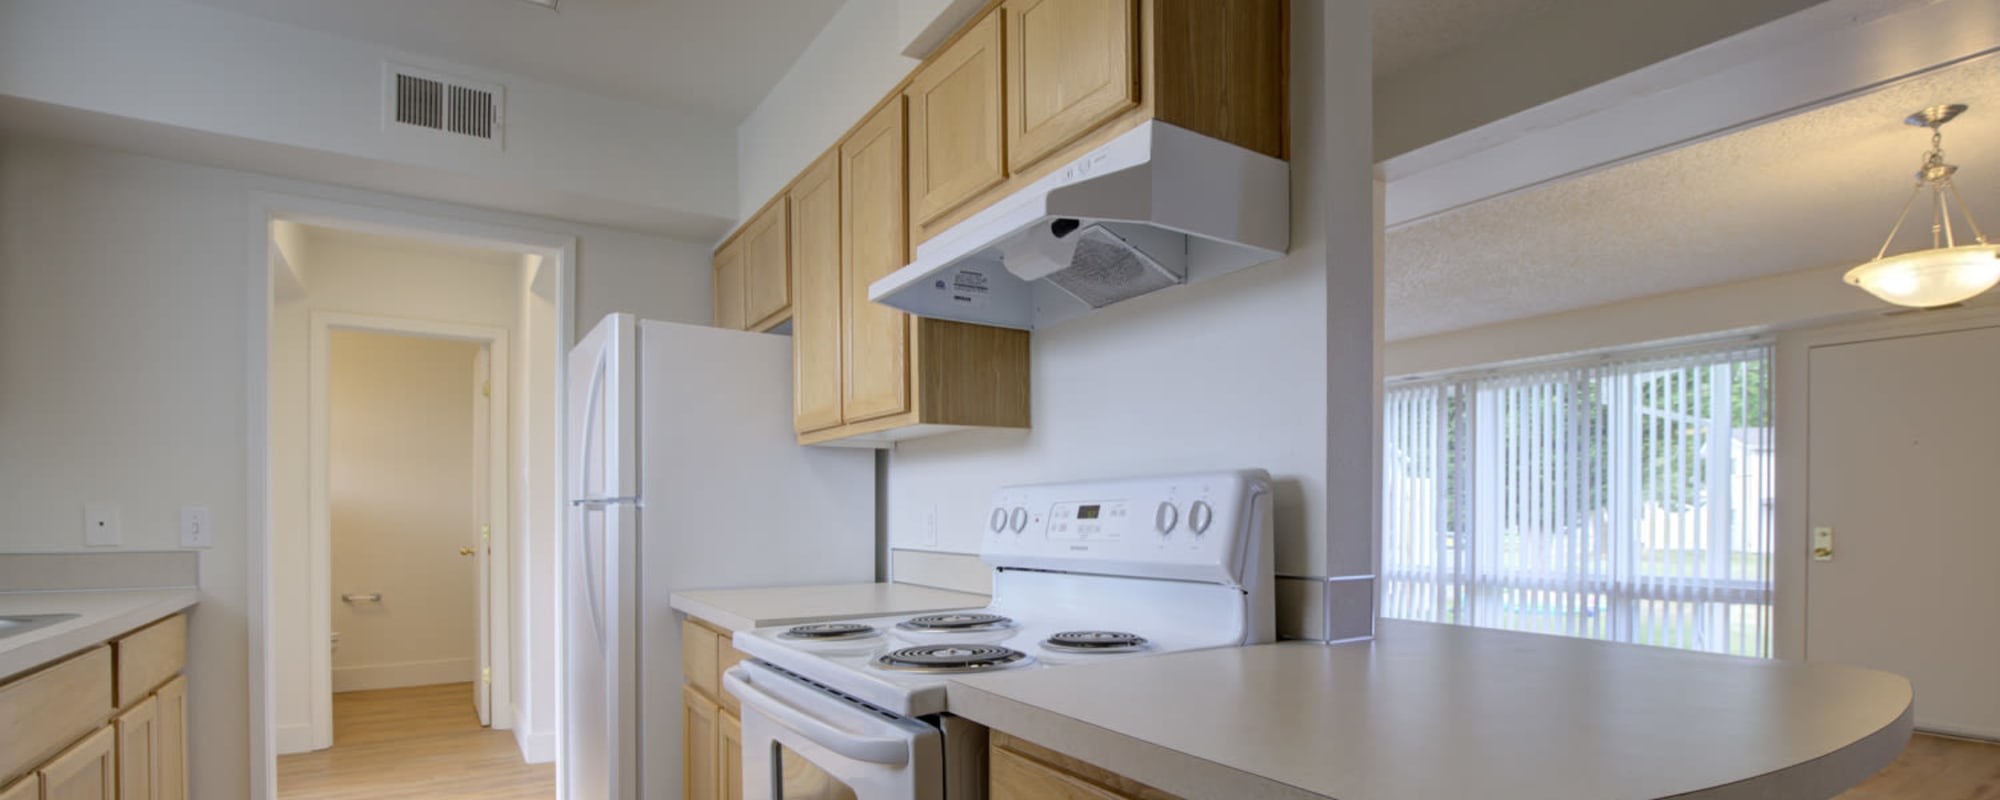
195,525
101,526
1822,542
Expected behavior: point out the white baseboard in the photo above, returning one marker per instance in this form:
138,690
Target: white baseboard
536,748
404,673
294,739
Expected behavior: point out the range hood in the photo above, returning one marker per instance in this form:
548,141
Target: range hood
1158,206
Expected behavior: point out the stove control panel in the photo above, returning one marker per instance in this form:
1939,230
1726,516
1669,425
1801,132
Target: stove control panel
1189,527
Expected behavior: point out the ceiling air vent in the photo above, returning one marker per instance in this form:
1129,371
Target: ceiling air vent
428,101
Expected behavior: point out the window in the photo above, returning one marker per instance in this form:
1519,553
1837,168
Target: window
1628,500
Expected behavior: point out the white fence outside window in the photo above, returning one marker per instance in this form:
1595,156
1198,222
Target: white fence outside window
1628,500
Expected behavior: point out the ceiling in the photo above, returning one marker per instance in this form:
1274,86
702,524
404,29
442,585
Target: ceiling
718,57
1815,190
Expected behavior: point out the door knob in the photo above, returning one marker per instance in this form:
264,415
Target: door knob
466,551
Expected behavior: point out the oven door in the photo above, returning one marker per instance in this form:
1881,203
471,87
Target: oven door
801,742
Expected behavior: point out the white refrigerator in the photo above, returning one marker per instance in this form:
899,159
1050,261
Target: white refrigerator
683,474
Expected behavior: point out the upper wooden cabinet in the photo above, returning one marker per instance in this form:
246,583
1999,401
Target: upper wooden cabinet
956,140
1071,66
767,272
728,311
816,337
876,352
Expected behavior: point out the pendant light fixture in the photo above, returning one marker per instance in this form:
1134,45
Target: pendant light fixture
1947,272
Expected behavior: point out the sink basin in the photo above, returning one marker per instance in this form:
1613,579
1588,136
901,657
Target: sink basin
16,624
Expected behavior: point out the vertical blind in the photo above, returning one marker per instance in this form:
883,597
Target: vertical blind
1628,500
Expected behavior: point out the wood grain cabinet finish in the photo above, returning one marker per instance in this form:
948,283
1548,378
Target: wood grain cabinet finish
139,751
1021,770
875,379
767,272
1072,65
816,297
956,125
700,761
148,657
88,770
729,746
27,788
45,711
698,657
172,783
729,310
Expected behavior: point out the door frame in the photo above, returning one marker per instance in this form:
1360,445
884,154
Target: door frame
1792,368
319,534
394,217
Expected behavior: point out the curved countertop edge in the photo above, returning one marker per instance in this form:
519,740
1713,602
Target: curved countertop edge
745,609
1066,710
103,615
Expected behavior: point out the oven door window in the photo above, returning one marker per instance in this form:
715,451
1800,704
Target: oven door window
800,779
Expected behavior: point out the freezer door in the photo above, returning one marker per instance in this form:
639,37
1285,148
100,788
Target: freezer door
599,756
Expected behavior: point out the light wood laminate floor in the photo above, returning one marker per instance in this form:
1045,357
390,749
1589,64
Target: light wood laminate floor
421,742
1936,768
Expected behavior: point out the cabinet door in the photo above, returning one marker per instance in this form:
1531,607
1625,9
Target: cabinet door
767,271
173,741
956,123
729,741
876,382
816,358
139,751
698,738
29,787
728,309
1071,66
88,770
1013,777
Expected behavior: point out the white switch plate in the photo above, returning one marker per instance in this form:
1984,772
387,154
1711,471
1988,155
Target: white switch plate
195,527
101,525
1822,544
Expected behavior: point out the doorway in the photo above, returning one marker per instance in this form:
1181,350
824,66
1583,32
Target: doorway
468,310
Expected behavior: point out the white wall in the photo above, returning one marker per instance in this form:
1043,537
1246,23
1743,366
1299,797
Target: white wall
400,475
849,66
123,369
536,373
206,69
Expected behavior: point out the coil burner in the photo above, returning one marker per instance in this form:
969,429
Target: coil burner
949,658
955,622
829,631
1095,642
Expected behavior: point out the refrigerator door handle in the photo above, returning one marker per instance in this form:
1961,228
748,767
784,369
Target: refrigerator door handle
590,578
601,503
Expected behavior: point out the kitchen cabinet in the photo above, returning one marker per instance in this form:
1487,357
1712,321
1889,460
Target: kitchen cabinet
27,788
1020,770
816,338
88,770
138,751
767,270
711,733
728,310
1071,66
172,782
956,125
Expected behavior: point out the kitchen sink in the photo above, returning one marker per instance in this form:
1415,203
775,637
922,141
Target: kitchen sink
16,624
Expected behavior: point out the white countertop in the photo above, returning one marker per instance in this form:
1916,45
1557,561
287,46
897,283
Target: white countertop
103,615
744,609
1441,711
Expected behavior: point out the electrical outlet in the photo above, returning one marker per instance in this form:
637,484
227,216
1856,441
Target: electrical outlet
101,526
195,525
930,527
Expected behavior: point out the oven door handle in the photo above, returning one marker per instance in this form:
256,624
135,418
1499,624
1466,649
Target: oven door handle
892,747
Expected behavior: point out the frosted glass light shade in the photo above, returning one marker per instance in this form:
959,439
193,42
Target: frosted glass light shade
1929,278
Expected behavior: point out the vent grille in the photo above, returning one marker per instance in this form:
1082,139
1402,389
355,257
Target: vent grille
419,99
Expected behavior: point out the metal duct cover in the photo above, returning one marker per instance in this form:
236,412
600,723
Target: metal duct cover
420,99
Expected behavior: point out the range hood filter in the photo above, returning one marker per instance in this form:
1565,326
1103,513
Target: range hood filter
1105,269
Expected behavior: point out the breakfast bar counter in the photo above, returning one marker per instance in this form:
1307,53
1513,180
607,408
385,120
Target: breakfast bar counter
1436,711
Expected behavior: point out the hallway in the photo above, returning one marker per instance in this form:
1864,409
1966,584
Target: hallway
419,742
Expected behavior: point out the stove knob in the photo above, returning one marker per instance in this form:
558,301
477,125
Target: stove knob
999,522
1019,520
1166,517
1199,516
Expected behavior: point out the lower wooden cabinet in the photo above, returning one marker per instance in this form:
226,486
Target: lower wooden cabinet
711,733
27,788
729,739
1020,770
699,764
139,751
172,779
88,770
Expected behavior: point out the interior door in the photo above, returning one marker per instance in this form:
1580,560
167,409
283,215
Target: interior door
482,403
1904,449
599,569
